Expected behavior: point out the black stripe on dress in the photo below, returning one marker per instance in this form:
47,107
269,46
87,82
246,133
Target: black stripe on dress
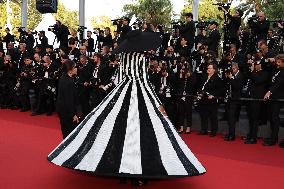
77,157
150,155
110,161
61,147
189,167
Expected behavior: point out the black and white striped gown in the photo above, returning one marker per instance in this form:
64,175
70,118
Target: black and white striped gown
127,135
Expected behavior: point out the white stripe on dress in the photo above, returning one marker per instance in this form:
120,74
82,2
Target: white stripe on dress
169,157
185,149
145,80
93,157
131,156
79,139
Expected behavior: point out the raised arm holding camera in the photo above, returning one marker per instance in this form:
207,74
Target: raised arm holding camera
233,25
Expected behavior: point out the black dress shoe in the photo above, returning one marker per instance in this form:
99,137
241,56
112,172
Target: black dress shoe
14,108
281,144
269,143
212,134
49,113
202,133
229,138
35,114
24,110
123,180
250,141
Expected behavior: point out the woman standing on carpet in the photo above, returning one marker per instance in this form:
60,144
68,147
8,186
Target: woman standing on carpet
66,104
128,134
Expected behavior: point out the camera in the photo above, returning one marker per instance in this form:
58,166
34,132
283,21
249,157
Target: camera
202,25
137,24
22,30
96,31
81,29
177,24
226,6
53,28
117,22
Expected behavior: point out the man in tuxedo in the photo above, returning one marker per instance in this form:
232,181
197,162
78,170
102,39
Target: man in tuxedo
43,39
235,82
123,29
188,30
259,80
8,38
275,92
91,43
214,37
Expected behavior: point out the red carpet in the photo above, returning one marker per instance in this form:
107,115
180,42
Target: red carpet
25,142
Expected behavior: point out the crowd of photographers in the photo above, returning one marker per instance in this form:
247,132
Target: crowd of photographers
186,71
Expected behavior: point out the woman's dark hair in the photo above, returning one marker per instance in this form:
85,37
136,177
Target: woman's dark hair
68,65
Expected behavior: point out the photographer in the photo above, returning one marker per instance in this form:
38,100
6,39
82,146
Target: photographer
233,26
8,38
123,29
43,39
30,40
107,40
61,31
214,37
259,80
91,42
259,26
275,92
234,90
188,30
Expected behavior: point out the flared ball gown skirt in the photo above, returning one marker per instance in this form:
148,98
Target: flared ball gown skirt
127,136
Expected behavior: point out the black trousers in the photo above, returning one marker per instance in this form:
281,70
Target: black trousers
24,95
255,112
234,108
96,96
185,112
209,111
67,125
84,99
274,111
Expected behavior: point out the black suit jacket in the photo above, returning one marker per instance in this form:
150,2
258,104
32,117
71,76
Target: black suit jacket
188,32
214,86
66,103
91,44
259,84
213,40
237,85
277,85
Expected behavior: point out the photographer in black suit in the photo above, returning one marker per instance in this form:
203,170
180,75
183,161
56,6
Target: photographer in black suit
188,30
8,38
91,42
235,82
43,39
214,37
259,80
61,31
259,26
123,28
211,87
275,92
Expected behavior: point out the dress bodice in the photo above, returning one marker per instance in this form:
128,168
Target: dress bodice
133,65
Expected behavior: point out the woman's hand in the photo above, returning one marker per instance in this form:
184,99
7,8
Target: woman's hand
75,119
163,111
